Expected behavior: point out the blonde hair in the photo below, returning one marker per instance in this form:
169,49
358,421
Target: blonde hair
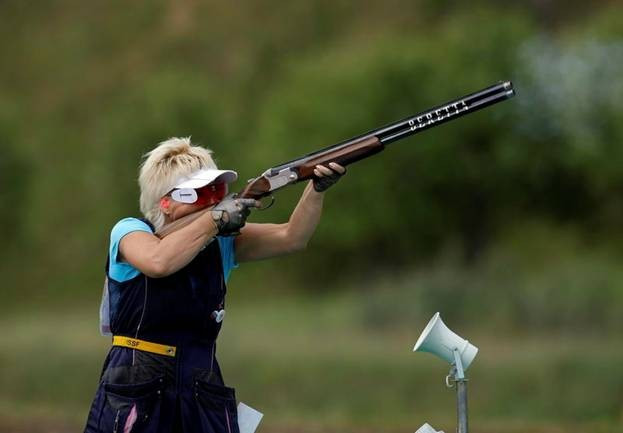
162,169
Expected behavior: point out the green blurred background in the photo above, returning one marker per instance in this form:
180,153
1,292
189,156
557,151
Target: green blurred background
506,221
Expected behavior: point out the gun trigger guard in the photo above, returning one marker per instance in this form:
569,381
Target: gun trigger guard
272,201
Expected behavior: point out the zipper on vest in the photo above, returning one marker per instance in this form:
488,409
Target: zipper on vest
140,322
227,418
116,426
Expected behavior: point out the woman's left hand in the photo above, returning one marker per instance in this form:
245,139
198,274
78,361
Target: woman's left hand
327,176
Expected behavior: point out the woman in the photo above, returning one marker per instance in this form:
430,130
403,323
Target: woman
164,299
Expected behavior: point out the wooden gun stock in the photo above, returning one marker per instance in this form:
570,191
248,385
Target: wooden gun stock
343,156
179,223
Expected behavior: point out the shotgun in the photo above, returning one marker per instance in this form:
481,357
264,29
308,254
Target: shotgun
359,147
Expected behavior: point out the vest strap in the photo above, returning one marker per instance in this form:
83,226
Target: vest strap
145,346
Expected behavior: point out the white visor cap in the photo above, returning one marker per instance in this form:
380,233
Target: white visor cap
205,177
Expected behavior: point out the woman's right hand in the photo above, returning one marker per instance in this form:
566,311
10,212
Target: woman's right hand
231,213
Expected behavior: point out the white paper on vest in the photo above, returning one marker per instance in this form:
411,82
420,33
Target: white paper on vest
105,312
426,428
248,418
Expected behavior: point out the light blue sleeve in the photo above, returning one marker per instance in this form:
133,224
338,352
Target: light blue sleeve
228,254
122,271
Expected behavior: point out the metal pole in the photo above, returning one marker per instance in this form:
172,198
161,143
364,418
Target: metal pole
458,376
461,405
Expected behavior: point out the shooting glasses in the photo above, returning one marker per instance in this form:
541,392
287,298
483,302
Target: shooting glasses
205,196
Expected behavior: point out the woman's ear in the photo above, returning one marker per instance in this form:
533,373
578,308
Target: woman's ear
165,203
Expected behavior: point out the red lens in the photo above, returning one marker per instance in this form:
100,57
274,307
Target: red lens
211,194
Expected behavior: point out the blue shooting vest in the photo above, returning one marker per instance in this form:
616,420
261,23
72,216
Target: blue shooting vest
142,392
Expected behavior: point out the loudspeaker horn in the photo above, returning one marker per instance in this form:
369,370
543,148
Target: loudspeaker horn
439,340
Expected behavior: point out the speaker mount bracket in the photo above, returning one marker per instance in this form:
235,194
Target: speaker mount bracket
458,365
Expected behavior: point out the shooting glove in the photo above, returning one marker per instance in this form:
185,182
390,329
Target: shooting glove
230,215
322,183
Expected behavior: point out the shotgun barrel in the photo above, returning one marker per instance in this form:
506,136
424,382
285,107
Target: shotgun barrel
416,123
